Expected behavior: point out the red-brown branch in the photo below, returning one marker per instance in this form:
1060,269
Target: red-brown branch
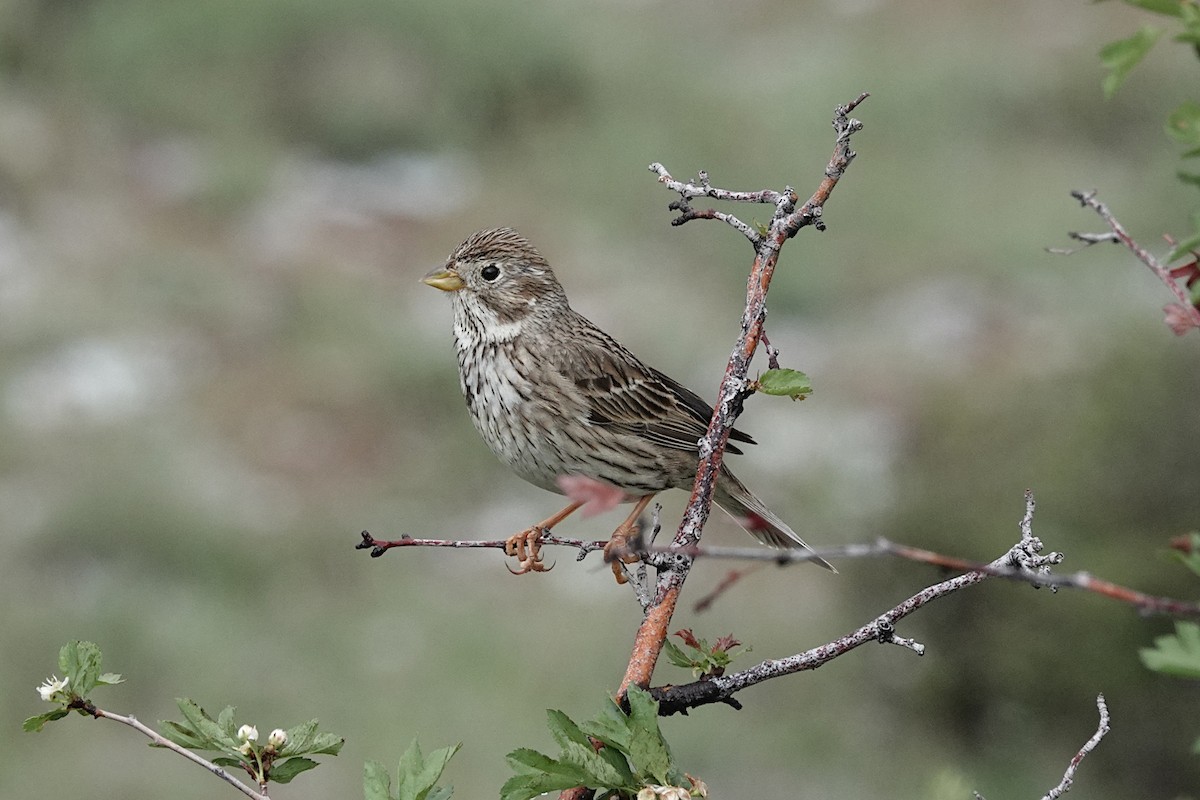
786,222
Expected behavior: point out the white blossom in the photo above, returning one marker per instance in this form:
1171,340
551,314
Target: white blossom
52,687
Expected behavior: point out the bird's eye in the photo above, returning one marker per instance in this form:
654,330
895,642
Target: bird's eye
490,272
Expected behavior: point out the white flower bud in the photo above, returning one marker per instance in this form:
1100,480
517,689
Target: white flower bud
278,738
247,733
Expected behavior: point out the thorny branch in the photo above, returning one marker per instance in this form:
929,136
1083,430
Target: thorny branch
1181,316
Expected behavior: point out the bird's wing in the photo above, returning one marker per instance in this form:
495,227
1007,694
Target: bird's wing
623,393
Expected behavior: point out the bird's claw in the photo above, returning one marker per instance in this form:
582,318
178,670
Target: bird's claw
526,547
617,555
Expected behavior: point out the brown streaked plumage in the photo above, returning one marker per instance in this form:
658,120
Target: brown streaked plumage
553,395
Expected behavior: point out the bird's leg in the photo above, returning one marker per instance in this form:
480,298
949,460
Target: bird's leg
530,560
620,538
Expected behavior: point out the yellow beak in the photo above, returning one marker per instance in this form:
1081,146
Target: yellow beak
444,278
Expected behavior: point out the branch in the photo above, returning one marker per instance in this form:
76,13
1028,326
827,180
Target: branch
1023,562
158,739
1180,317
785,223
720,689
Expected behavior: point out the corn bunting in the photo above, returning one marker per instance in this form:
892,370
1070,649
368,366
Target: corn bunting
553,395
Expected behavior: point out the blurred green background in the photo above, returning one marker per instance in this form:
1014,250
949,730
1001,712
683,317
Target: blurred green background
218,366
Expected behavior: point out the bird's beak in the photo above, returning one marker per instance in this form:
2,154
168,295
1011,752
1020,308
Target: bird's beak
444,278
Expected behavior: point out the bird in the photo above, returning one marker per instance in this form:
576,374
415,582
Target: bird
553,395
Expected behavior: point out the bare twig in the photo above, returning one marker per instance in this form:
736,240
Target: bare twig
161,741
1068,778
1181,316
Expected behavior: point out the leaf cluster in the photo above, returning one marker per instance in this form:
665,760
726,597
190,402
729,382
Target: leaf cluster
416,776
1178,654
267,763
616,753
79,662
1183,124
703,660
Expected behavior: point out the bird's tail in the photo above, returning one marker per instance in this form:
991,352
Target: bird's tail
758,520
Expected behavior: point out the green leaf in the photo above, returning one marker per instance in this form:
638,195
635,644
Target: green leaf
34,724
564,730
1184,248
676,656
210,734
648,750
80,661
1177,655
785,382
417,775
440,793
1120,57
226,721
300,739
1183,124
109,679
537,774
612,727
180,735
284,771
377,783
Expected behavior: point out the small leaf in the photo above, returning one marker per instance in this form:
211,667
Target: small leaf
564,730
377,783
1177,655
34,724
1120,57
210,735
676,656
784,382
226,721
180,735
300,739
284,771
109,679
80,661
1183,124
440,793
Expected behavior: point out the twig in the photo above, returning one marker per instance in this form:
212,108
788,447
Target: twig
1068,778
161,741
1181,316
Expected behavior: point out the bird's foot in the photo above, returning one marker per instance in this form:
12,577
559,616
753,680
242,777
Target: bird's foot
526,547
616,552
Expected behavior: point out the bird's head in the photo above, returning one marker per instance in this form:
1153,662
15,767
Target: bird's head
497,278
